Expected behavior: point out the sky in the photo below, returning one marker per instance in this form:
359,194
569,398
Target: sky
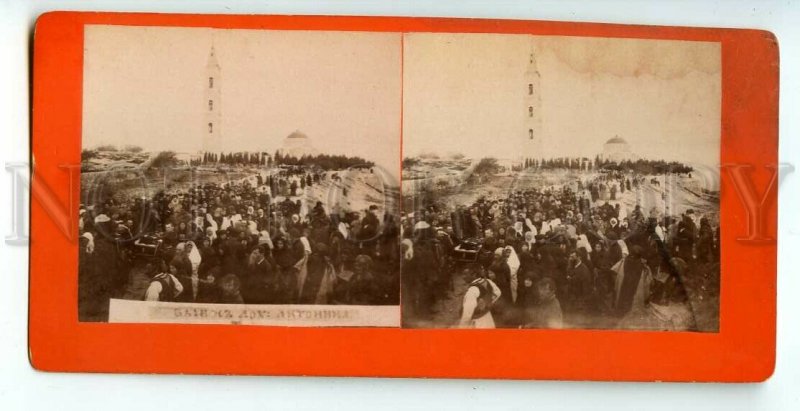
460,93
145,86
464,93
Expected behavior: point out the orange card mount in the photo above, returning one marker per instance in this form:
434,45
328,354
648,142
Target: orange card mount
220,194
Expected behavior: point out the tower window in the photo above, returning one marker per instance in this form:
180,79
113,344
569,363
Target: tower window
530,133
211,82
210,105
211,128
530,89
530,111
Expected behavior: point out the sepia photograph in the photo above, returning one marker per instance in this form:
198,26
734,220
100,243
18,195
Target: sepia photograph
240,177
560,183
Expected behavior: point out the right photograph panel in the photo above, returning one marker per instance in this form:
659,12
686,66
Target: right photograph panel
560,182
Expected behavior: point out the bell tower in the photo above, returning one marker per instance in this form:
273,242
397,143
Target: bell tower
531,133
212,106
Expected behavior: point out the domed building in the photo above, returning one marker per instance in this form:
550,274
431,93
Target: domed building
298,145
617,150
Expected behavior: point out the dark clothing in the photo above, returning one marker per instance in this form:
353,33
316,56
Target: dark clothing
369,228
258,284
632,269
580,284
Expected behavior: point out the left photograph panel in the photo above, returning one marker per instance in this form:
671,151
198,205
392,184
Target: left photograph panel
240,177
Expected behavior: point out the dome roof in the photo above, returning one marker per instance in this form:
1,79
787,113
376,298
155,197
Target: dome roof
616,140
297,134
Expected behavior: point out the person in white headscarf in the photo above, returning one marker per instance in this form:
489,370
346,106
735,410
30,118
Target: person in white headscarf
513,265
408,249
102,218
531,227
583,242
301,266
89,243
530,239
546,227
344,230
190,280
226,223
194,256
518,227
211,234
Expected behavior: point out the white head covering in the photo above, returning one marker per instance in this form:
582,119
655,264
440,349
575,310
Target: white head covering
421,225
342,228
624,247
194,255
306,244
409,253
211,233
513,265
211,222
583,242
530,237
530,225
90,244
226,223
513,260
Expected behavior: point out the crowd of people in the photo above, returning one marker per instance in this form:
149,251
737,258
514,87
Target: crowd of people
258,240
558,256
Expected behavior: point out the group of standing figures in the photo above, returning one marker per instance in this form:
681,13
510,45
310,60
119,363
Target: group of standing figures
555,257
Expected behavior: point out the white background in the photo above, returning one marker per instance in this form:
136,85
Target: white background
23,388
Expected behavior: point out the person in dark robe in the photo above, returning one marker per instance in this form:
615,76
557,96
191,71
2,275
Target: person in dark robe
370,226
259,283
500,273
361,288
231,250
546,313
527,261
423,271
685,237
604,278
705,241
633,278
285,259
209,257
317,280
181,261
528,297
667,308
230,290
580,284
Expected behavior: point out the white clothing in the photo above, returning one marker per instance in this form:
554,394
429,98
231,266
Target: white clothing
154,290
471,302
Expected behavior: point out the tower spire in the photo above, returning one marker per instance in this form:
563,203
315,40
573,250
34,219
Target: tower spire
531,133
212,105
